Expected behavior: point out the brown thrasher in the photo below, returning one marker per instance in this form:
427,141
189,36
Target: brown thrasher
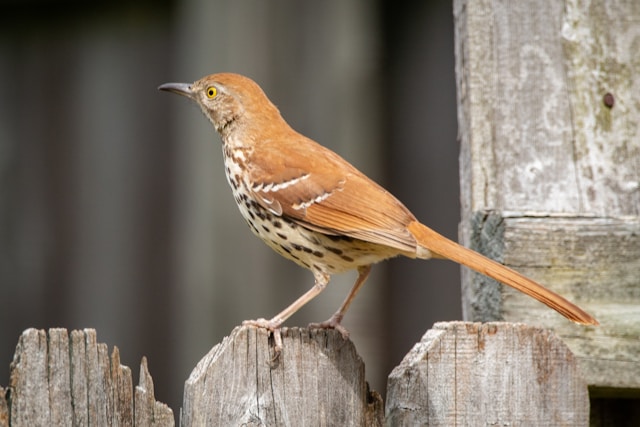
316,209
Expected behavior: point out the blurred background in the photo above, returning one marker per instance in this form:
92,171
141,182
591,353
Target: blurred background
114,209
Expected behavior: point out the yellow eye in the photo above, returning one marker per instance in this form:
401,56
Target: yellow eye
211,92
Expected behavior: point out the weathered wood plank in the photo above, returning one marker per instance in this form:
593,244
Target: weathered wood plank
122,389
79,386
600,42
535,132
150,412
4,409
29,399
59,373
487,374
99,400
593,261
57,379
317,380
550,168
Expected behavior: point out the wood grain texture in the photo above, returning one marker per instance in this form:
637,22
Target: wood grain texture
68,379
4,409
459,374
487,374
535,133
550,174
148,411
592,261
317,381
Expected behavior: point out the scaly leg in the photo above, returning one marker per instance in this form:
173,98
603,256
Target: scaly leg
274,324
334,321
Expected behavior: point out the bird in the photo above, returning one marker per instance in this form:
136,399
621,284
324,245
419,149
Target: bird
316,209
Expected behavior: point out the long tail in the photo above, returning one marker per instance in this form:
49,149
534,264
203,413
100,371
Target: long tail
448,249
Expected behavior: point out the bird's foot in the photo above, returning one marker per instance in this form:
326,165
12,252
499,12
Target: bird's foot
332,323
273,326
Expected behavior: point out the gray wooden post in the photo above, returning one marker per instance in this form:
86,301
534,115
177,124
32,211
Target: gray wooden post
318,379
472,374
59,379
460,373
549,116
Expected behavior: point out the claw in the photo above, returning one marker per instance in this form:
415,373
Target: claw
332,323
274,327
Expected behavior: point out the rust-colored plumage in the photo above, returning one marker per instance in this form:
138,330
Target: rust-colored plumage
315,208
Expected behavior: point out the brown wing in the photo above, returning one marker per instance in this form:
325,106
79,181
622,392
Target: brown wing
323,192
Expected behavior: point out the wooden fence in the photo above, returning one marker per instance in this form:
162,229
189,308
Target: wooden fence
548,113
460,373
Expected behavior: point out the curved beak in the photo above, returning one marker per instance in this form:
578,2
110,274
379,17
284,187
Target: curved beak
183,89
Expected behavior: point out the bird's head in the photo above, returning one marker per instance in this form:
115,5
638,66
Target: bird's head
228,100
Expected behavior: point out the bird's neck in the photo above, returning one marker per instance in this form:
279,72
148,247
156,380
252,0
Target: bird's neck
247,130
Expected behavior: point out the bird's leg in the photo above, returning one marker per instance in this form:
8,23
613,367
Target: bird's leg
274,324
334,321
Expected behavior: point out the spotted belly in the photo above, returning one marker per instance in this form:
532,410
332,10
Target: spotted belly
308,248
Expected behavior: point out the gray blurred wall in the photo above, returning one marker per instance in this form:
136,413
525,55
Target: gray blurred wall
114,210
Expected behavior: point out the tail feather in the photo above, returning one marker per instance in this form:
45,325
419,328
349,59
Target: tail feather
445,248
